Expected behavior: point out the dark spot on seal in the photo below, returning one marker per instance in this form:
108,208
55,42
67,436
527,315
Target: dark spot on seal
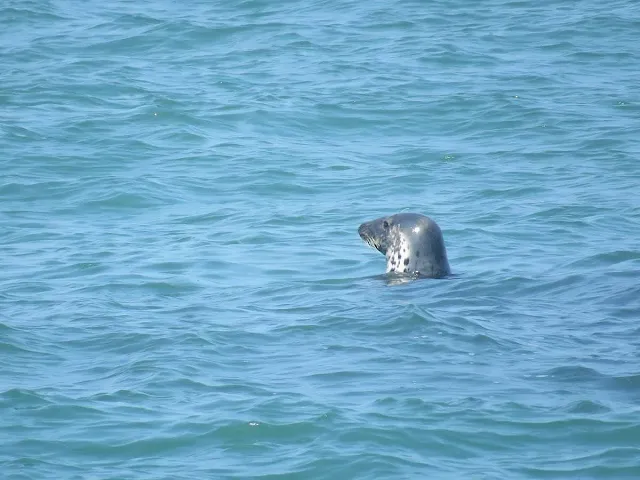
417,253
406,270
406,262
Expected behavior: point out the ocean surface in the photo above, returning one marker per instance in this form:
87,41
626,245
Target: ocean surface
183,291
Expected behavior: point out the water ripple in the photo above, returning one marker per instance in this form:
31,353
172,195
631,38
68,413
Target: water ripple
184,293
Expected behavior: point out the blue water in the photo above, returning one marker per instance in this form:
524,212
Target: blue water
183,292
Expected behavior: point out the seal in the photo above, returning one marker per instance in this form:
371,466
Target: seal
412,243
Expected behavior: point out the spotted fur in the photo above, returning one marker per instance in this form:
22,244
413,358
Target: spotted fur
412,243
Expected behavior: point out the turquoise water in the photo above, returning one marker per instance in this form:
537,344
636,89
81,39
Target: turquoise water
183,292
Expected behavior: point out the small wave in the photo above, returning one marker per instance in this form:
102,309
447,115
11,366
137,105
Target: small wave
587,407
573,373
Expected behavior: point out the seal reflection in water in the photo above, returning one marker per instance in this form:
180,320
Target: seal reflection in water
412,243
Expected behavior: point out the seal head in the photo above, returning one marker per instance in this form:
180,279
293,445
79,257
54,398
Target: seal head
412,243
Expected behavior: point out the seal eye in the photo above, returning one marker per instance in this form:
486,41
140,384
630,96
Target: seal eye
385,224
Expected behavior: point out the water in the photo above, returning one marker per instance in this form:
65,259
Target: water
183,293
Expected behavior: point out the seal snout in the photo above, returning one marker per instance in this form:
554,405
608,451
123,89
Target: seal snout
362,230
366,233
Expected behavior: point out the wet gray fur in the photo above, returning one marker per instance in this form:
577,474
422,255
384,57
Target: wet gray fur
412,243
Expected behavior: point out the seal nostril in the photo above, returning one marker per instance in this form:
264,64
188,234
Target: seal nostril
385,224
